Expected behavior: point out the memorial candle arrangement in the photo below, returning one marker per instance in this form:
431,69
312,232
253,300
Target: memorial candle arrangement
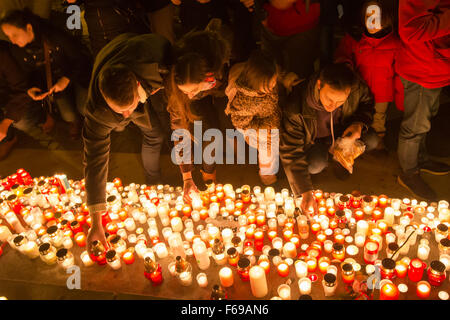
255,233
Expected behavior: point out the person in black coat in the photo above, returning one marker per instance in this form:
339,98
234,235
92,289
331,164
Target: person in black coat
64,74
17,109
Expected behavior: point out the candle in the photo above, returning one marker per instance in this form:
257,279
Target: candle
258,282
304,285
370,251
287,234
311,262
382,201
290,250
315,227
283,269
258,235
352,250
265,264
383,226
202,280
328,246
128,257
80,239
272,235
415,270
324,262
359,214
86,259
389,215
161,250
284,292
423,251
130,224
423,289
362,227
226,277
389,291
301,269
177,224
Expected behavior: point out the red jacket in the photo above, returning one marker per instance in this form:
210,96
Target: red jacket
374,60
292,20
424,28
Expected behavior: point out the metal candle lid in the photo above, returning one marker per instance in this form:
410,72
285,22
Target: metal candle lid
243,263
330,279
111,199
114,239
347,267
51,230
12,197
337,246
19,240
340,213
62,253
438,266
388,263
231,251
274,252
305,297
445,242
44,248
344,199
442,227
110,255
236,241
27,191
393,246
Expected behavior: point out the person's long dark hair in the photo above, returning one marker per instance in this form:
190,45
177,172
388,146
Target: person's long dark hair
198,55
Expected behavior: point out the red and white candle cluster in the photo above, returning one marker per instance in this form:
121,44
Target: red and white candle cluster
249,233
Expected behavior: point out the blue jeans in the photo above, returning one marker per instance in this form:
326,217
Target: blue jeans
71,102
317,154
421,104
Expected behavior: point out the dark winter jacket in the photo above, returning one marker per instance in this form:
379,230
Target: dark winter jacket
145,55
299,128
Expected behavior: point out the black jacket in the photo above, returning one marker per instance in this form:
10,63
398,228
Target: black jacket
68,56
299,128
13,86
145,55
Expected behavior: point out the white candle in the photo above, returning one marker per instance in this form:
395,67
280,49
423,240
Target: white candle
177,224
290,250
277,243
202,280
130,224
304,286
226,277
360,239
258,282
301,269
201,254
5,234
423,251
188,234
284,292
390,237
30,249
214,232
87,261
362,227
445,259
352,250
328,246
269,193
227,235
389,215
186,278
161,250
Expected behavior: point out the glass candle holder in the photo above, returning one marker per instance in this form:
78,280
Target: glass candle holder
202,280
423,252
284,291
370,251
416,269
311,262
436,273
423,290
152,271
323,263
348,273
244,269
113,260
304,285
389,291
338,251
226,277
329,284
283,269
86,259
47,253
328,246
65,258
387,269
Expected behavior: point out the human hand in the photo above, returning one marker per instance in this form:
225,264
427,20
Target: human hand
4,125
36,94
60,85
353,131
189,186
249,4
96,232
176,2
309,204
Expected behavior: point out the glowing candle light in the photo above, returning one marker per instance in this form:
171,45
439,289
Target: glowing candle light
423,289
283,269
304,285
311,262
226,277
389,291
284,292
128,256
324,262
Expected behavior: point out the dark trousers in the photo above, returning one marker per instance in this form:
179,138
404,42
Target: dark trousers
32,117
152,141
317,155
421,104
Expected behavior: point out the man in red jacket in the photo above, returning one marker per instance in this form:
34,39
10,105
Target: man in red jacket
423,64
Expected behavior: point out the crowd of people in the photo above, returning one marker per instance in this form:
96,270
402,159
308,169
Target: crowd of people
248,64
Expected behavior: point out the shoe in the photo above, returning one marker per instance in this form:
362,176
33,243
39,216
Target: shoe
414,184
208,178
5,147
268,179
340,172
434,167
